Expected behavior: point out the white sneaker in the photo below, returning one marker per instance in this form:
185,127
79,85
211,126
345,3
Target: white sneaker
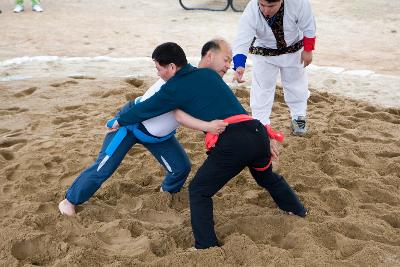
66,208
299,126
18,8
37,8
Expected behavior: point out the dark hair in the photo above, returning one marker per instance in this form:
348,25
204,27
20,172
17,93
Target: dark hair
210,45
168,53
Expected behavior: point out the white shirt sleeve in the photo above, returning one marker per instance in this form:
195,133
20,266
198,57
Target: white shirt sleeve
306,21
246,29
153,89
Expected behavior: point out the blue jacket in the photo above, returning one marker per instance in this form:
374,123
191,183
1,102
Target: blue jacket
199,92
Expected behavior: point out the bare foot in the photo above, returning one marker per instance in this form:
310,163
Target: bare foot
66,208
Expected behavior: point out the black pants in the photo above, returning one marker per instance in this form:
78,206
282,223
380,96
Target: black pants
244,144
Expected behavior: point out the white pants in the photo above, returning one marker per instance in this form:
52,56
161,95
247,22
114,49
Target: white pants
294,82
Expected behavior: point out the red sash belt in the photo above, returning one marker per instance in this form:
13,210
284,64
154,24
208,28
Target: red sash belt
211,139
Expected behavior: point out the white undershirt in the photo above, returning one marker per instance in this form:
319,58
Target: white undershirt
163,124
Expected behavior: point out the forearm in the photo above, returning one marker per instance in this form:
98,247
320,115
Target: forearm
131,116
156,105
190,122
214,127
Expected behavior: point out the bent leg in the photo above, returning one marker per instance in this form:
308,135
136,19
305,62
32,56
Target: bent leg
173,157
90,180
280,191
215,172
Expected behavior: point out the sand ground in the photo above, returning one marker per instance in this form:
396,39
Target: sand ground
53,110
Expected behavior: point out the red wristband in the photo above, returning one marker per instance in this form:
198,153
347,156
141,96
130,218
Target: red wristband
309,43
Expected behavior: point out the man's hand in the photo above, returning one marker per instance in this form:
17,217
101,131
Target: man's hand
274,149
306,58
238,75
216,126
114,127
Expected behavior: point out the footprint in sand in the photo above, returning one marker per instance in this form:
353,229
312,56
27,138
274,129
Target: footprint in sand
15,144
159,218
39,250
388,154
391,168
348,246
66,119
328,164
336,130
393,219
6,190
7,155
183,236
353,119
378,193
129,204
254,227
336,198
118,238
67,134
385,117
112,233
393,111
363,115
255,197
99,211
66,83
140,180
112,92
82,77
49,163
346,122
69,108
4,130
375,140
351,159
10,170
318,97
34,125
370,108
134,81
348,184
180,201
162,244
12,111
12,133
26,92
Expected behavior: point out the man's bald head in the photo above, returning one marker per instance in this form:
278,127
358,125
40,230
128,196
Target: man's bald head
217,55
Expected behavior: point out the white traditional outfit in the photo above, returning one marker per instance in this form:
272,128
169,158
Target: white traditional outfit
276,44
